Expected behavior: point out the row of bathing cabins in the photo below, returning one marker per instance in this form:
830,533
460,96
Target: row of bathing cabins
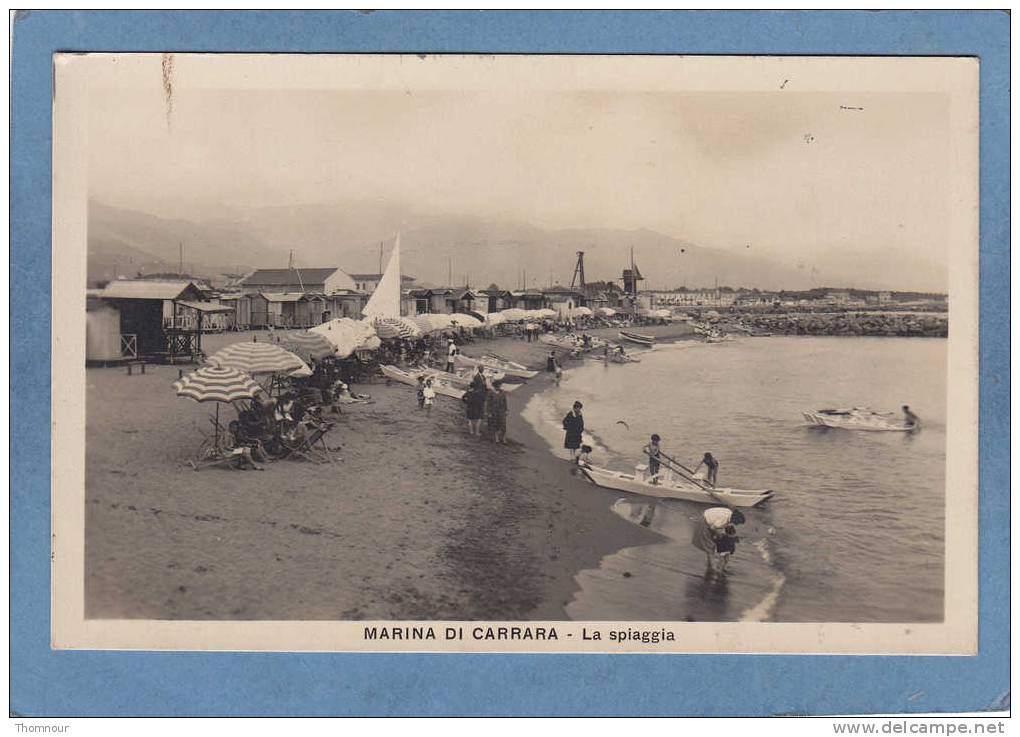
164,319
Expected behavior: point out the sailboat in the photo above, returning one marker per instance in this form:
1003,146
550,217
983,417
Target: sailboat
385,300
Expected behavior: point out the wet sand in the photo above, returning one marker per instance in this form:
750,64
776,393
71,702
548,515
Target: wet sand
415,519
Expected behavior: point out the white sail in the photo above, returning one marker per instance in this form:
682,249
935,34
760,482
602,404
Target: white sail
385,300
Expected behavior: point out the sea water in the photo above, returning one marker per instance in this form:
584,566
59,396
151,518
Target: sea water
855,532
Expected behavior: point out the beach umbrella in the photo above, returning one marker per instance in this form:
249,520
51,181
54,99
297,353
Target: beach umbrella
216,384
306,345
301,373
256,358
546,312
371,343
463,320
388,328
345,334
432,322
580,312
495,318
515,315
606,311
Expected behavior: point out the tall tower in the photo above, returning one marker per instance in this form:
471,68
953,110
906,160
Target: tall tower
578,278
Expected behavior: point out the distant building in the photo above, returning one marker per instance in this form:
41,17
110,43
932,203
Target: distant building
529,299
319,280
841,297
298,297
495,300
564,299
368,282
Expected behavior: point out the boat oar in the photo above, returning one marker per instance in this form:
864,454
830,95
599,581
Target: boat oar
687,473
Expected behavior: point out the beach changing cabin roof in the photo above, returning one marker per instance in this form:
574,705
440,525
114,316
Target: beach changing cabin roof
149,289
282,277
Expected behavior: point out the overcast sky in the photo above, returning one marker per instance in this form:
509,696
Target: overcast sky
790,173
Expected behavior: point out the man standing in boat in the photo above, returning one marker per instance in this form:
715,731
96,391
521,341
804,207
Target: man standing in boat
654,452
573,424
910,419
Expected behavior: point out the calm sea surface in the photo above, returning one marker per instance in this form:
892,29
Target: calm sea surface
855,532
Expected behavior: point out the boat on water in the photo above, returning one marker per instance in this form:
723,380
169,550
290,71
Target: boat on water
859,418
673,486
618,358
639,338
496,364
441,384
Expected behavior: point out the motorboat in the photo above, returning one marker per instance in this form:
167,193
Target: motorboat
496,364
859,418
670,485
440,384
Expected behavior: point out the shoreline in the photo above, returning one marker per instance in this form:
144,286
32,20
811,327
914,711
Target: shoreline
415,520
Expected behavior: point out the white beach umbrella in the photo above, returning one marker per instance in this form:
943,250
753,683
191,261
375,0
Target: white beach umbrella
495,318
346,334
515,315
463,320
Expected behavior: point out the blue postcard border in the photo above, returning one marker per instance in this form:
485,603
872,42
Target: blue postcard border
63,683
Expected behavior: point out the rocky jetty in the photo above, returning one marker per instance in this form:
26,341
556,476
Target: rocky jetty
891,324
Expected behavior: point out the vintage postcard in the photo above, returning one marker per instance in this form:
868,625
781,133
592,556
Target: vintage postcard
453,353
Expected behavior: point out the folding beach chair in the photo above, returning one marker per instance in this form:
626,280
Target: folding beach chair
311,445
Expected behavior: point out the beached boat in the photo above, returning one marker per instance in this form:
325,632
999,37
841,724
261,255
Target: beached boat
464,378
859,418
718,338
645,340
442,385
496,364
673,486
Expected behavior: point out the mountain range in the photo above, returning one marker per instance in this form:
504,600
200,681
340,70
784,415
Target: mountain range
454,249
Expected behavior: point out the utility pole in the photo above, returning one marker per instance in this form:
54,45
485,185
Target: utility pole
180,258
380,259
449,271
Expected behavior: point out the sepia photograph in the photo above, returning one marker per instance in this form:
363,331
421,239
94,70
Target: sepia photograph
534,353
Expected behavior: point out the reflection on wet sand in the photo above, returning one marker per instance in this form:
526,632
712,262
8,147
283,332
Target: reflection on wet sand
670,580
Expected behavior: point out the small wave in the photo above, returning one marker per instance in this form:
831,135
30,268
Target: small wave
763,609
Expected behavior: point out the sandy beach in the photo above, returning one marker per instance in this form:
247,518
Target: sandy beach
415,518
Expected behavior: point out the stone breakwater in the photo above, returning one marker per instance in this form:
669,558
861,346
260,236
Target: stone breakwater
848,323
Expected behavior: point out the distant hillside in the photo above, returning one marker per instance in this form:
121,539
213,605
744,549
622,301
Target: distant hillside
442,249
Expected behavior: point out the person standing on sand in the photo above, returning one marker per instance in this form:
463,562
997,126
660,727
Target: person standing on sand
573,424
474,399
421,392
429,396
451,351
550,363
496,410
478,380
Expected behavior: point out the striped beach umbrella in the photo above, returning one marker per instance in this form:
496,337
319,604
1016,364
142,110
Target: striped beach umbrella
216,384
256,358
389,328
306,345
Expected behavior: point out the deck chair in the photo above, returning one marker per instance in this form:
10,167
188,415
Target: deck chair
312,444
